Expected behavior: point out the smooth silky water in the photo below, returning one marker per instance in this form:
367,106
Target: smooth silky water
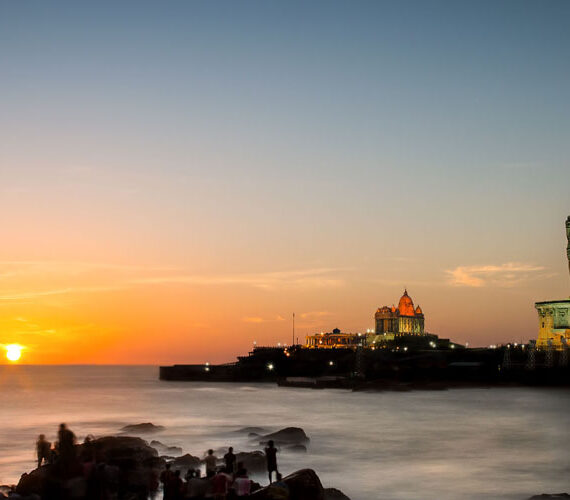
505,443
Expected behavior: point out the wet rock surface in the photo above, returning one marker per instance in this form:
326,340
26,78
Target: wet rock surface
287,436
301,485
146,427
110,448
165,449
335,494
546,496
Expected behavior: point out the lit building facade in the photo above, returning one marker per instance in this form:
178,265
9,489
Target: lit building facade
553,324
403,320
554,316
335,339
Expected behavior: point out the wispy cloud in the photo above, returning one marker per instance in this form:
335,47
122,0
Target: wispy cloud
259,319
57,291
315,314
503,275
309,278
16,268
69,278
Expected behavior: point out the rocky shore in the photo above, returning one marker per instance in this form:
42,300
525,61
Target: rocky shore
127,468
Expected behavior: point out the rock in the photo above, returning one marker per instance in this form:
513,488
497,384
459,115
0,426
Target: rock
146,427
114,448
126,456
253,461
5,490
251,430
302,485
185,462
162,448
33,483
545,496
296,448
334,494
289,435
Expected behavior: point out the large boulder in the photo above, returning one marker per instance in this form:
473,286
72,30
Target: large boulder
114,448
301,485
254,461
33,482
289,435
5,490
165,449
145,428
334,494
546,496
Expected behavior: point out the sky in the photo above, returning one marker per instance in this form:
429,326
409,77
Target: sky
178,178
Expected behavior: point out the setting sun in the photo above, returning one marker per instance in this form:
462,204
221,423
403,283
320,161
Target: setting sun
14,352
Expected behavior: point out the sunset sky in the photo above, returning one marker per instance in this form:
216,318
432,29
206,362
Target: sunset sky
178,178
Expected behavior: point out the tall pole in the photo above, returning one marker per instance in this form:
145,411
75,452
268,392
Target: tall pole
293,329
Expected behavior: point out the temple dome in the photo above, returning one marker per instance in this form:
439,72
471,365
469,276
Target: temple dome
419,310
406,305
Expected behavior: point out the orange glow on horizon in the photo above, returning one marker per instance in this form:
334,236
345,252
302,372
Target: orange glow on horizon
93,313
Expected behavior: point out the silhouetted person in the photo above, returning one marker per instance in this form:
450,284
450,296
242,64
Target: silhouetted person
175,489
165,479
242,484
197,487
220,484
66,449
210,462
230,461
43,449
271,456
87,450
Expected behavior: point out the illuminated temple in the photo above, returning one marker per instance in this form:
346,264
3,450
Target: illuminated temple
403,320
392,323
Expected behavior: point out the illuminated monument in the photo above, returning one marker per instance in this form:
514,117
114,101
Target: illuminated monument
391,324
554,315
403,320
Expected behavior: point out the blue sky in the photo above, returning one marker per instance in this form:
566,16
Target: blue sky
275,136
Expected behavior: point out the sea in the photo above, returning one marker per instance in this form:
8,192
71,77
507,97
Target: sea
499,443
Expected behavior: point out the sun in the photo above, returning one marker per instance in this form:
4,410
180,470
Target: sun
13,352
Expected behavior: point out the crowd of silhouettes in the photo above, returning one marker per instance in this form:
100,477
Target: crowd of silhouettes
77,472
219,483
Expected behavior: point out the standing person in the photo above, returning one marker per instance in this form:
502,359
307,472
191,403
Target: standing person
175,489
230,460
66,445
242,484
271,456
197,487
220,484
166,480
210,462
43,449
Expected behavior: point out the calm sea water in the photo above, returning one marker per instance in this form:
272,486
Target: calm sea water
456,444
